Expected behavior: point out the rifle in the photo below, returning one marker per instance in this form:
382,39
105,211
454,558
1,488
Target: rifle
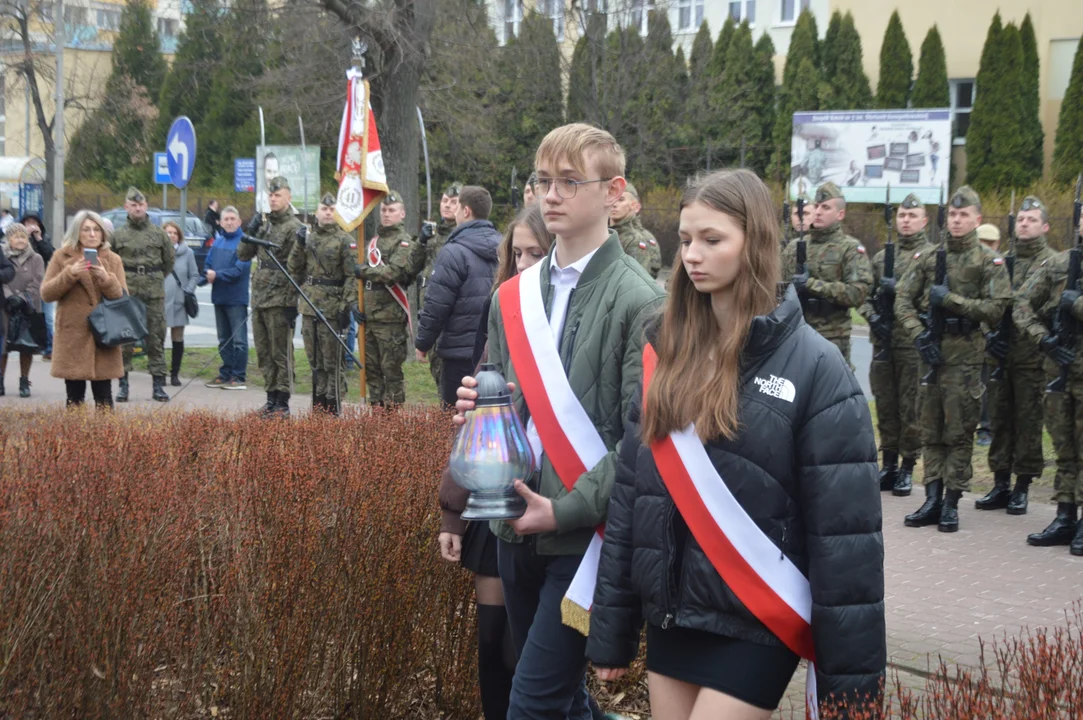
884,300
936,314
1064,325
1003,335
802,247
785,223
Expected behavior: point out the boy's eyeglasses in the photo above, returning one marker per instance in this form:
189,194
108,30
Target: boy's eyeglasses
566,187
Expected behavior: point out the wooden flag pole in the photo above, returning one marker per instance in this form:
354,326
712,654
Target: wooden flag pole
362,255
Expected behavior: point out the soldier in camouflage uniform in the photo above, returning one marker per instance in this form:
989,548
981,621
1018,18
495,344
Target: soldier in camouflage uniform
274,299
838,276
1042,295
636,240
976,290
148,259
323,262
893,374
431,247
1015,396
400,259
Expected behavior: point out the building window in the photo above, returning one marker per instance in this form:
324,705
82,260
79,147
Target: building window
75,15
513,18
45,12
962,102
690,14
589,8
108,19
554,10
167,27
641,11
750,11
743,10
790,9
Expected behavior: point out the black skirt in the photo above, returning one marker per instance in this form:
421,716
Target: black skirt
479,550
753,673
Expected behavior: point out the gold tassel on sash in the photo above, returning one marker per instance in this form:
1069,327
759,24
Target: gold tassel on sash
574,616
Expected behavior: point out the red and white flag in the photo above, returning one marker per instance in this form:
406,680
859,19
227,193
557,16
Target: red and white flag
362,182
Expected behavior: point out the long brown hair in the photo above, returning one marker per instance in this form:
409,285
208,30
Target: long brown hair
530,216
699,369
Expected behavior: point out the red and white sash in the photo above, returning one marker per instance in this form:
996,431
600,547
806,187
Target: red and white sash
765,580
397,291
569,438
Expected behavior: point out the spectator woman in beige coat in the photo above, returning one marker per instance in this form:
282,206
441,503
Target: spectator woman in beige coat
77,286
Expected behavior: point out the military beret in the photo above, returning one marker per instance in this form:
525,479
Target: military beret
278,183
631,190
453,189
328,199
135,196
828,191
965,197
989,231
911,201
1031,203
392,197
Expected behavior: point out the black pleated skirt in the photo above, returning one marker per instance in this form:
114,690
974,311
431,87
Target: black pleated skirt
479,549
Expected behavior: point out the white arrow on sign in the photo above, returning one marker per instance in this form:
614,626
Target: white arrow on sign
178,149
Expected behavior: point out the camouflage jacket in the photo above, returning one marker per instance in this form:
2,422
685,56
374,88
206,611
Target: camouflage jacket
907,250
270,288
436,244
978,290
144,244
402,257
839,272
328,258
638,242
1029,256
1038,299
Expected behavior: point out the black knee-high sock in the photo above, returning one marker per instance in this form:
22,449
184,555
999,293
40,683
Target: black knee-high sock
494,671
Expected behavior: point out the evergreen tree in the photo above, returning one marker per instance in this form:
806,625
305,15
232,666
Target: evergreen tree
657,103
585,72
1068,146
136,51
848,87
1032,126
764,84
721,47
700,59
622,72
804,45
995,143
931,87
896,67
830,44
736,98
698,121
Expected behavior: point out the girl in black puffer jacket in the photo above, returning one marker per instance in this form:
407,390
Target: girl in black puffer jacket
788,434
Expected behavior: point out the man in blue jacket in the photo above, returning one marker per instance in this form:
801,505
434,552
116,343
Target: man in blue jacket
228,277
461,282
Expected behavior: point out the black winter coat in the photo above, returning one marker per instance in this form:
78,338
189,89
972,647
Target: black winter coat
803,466
461,282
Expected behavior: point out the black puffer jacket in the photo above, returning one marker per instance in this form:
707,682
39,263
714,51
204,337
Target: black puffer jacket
461,283
803,466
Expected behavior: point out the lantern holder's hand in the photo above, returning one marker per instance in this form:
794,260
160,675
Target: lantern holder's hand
467,395
451,546
539,516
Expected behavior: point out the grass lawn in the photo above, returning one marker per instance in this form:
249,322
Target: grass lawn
203,364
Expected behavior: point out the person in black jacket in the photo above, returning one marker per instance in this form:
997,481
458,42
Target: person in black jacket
458,290
788,433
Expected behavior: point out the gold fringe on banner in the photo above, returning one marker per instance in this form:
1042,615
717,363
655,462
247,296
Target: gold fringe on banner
575,617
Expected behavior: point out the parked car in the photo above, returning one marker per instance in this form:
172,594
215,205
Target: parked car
197,234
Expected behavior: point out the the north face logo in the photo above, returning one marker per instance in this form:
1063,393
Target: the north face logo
780,388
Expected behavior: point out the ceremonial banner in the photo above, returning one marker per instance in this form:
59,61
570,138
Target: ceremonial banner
362,182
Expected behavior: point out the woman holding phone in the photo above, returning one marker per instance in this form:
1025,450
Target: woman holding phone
83,272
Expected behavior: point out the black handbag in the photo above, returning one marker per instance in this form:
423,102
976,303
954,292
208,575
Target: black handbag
191,303
118,322
26,333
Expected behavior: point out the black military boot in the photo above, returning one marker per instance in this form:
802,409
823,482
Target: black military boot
24,387
905,483
1060,531
929,512
889,471
949,515
999,497
269,406
1076,548
175,364
158,392
282,406
122,389
1017,505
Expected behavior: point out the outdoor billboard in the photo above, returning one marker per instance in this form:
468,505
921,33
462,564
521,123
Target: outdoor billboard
863,151
286,160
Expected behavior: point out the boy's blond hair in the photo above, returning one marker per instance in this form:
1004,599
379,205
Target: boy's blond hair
578,142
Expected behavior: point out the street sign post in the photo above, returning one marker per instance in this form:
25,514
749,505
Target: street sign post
181,157
161,175
244,175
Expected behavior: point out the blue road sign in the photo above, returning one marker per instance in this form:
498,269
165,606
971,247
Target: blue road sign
161,168
180,146
244,174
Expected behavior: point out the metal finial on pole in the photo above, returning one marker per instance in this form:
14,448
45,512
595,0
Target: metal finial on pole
360,47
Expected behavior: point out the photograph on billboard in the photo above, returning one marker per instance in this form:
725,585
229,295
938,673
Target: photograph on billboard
864,151
287,161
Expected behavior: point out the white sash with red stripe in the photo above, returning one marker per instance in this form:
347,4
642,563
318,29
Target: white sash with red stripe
569,438
763,578
397,291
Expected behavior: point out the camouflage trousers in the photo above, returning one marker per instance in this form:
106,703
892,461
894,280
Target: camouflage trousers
272,332
436,366
1015,414
385,352
325,357
1064,419
949,415
896,386
154,343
